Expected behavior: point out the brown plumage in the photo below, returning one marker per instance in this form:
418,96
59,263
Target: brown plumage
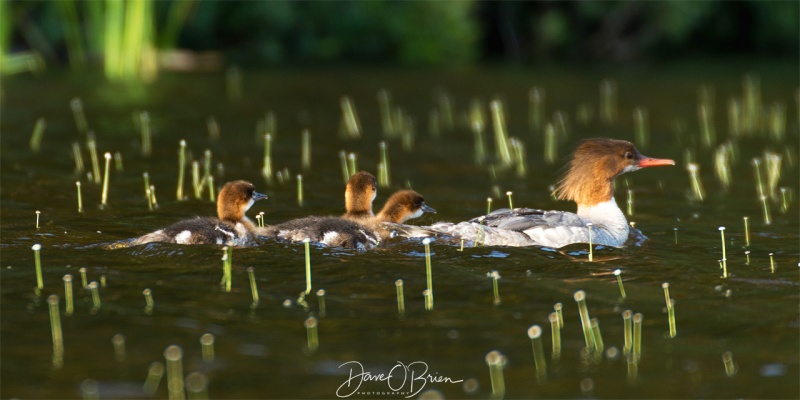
594,165
399,208
358,196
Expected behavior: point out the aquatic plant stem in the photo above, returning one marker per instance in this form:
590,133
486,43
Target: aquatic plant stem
428,272
104,198
37,258
207,347
253,288
580,298
68,294
175,383
80,196
628,331
724,259
321,302
618,274
555,330
401,303
312,333
307,244
535,335
181,169
495,361
746,231
55,329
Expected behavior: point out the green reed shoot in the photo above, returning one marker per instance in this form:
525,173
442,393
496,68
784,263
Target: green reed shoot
68,294
38,132
233,79
104,197
536,98
722,166
305,153
102,281
776,121
383,176
535,335
84,279
352,163
785,200
312,333
350,118
401,303
299,190
385,108
428,272
734,118
697,185
727,360
641,128
226,269
197,386
550,144
181,169
671,315
598,338
174,357
93,288
608,101
146,133
212,195
724,258
321,302
500,133
759,181
618,274
149,199
518,148
118,341
510,201
480,148
628,331
773,164
263,219
253,288
307,244
633,368
207,347
495,360
488,205
580,298
675,229
747,257
771,263
197,188
154,375
345,169
80,117
707,131
555,330
767,218
637,335
751,88
558,308
37,258
55,328
266,171
148,299
495,276
629,202
445,105
590,230
91,145
38,214
78,157
153,196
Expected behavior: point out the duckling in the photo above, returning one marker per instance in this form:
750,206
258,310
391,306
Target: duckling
230,227
358,196
399,208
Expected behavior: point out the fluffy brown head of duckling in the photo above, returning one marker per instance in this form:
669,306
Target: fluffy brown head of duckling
402,206
359,194
235,198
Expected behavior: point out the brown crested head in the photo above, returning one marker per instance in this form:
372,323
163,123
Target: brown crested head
359,194
402,206
594,165
235,198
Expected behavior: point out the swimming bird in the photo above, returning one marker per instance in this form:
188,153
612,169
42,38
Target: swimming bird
230,227
588,181
342,232
359,194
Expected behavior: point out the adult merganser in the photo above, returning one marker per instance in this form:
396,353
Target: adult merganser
342,232
230,227
358,196
588,182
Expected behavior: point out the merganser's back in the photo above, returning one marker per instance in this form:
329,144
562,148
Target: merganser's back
588,182
230,227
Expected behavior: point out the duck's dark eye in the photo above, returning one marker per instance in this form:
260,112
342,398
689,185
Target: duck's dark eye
629,155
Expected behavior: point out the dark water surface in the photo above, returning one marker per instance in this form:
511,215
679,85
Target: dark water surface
262,352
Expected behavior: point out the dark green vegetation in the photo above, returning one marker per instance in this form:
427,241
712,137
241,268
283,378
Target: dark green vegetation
264,351
398,32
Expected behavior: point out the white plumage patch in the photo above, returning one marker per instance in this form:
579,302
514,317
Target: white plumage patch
183,237
329,237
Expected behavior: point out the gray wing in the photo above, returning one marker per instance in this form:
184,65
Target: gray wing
522,219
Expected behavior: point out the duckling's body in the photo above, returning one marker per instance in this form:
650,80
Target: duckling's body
230,227
330,231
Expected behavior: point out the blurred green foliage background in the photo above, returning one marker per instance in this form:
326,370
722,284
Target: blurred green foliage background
438,33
